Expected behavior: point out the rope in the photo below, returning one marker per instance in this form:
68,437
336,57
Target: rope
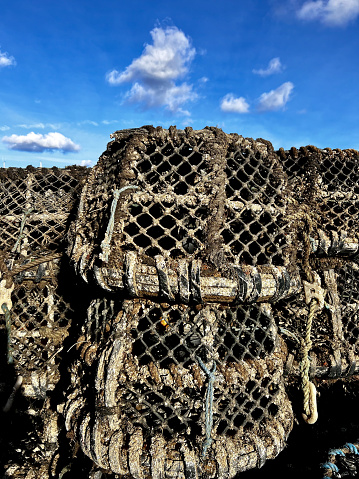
10,401
22,226
8,275
35,262
346,464
330,466
209,404
309,403
105,245
301,216
336,452
6,312
307,248
310,414
289,334
352,448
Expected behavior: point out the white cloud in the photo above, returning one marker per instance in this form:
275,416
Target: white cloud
203,80
234,105
85,163
55,126
87,122
36,142
109,122
154,73
171,95
330,12
274,66
6,60
31,126
4,128
275,99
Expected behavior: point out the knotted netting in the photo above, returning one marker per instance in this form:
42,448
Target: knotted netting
35,208
219,275
211,235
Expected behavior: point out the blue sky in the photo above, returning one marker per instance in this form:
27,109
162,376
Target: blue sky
74,71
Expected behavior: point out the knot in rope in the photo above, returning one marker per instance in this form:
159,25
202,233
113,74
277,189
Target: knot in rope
314,296
209,404
309,403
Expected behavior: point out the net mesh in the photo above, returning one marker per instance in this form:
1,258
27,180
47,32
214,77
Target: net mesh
173,340
150,384
212,203
330,180
191,325
40,201
35,207
348,284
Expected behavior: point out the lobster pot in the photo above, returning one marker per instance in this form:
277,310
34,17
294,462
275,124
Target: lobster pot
324,186
40,322
327,182
35,207
207,237
35,204
348,292
183,194
149,413
159,306
185,226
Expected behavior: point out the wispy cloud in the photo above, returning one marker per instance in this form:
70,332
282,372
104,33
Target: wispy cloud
274,66
203,80
234,105
109,122
31,126
275,99
4,128
154,74
6,60
330,12
35,142
87,122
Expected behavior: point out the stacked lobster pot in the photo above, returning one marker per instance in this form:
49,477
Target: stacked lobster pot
36,314
209,275
229,263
